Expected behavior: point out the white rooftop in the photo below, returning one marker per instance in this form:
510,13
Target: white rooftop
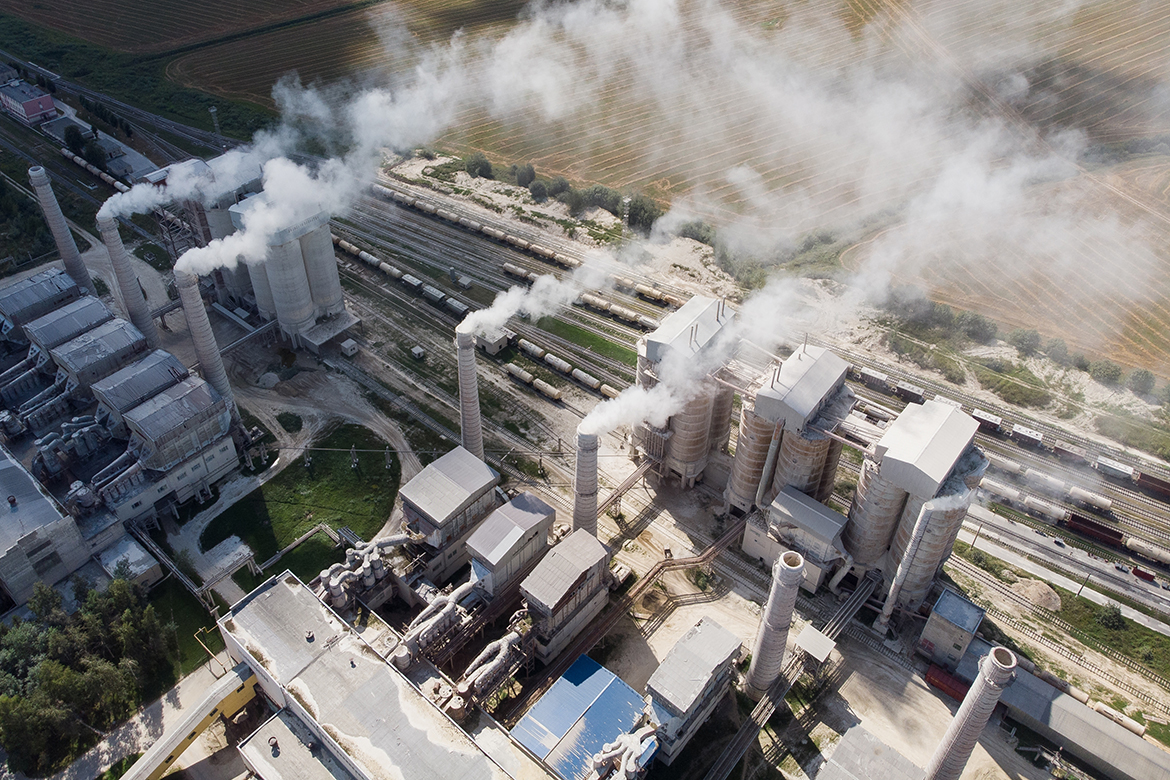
34,509
556,576
795,509
445,487
700,653
801,386
504,529
127,549
687,330
922,445
294,229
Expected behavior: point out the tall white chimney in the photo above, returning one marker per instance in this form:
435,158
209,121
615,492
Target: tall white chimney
132,298
58,227
995,673
772,635
206,349
585,483
470,423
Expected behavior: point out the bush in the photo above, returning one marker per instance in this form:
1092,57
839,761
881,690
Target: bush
574,200
1105,371
643,213
74,139
1057,352
1141,381
976,326
559,184
290,422
478,166
1027,341
1110,617
603,197
699,231
538,191
525,175
1080,362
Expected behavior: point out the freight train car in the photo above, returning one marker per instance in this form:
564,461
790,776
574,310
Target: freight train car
1094,530
1154,485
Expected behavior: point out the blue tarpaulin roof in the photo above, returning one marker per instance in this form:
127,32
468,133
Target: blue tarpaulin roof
588,707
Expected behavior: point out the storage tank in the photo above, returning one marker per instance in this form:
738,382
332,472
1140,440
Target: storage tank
285,266
801,461
321,269
721,407
945,518
829,471
688,449
873,516
258,276
751,453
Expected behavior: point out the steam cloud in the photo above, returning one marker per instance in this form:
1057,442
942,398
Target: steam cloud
546,295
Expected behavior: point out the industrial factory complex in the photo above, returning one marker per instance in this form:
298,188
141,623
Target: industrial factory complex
498,589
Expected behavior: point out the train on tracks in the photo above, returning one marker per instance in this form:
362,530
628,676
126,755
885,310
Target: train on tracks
591,300
432,294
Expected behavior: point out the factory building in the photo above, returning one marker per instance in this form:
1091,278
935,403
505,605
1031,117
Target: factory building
949,630
684,445
24,301
27,102
508,540
795,521
566,590
128,387
443,504
690,681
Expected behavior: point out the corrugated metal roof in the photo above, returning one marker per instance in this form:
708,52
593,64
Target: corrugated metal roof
556,575
701,315
68,322
32,292
582,711
448,485
498,536
33,508
791,507
860,755
132,385
958,611
107,339
691,663
921,446
801,386
172,408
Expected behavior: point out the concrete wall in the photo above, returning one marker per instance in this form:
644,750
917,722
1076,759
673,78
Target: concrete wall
758,544
48,554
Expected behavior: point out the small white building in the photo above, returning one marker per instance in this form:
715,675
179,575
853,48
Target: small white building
144,569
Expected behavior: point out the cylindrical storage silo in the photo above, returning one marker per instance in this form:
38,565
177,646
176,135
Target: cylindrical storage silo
751,453
585,483
470,422
873,516
66,246
801,461
132,296
321,269
290,287
721,406
206,350
687,450
995,673
829,471
945,517
258,276
772,635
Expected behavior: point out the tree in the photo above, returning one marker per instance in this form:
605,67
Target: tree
603,197
558,185
1110,617
94,155
976,326
478,166
1105,371
44,601
1141,381
525,175
1057,351
574,200
538,191
643,213
74,139
1027,341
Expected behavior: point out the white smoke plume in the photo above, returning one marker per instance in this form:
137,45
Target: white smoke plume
546,295
632,406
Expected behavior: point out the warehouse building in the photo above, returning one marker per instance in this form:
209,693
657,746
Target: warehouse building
509,540
797,522
566,590
128,387
27,102
949,629
24,301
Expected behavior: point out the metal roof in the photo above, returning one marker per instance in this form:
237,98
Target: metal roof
448,485
107,339
130,386
172,408
36,292
688,667
582,711
795,509
921,446
307,223
801,386
689,329
558,573
860,755
127,549
67,322
958,611
506,528
33,509
383,722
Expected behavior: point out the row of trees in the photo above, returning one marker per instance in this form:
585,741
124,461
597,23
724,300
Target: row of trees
65,679
1028,342
109,117
23,232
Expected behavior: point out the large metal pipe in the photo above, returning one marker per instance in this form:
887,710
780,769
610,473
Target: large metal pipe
904,567
772,635
769,463
585,483
206,348
66,246
470,423
995,673
132,297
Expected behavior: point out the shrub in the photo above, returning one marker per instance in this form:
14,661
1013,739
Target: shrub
976,326
574,200
1027,341
538,191
1057,351
1080,362
559,184
1110,617
1141,381
525,175
699,231
643,213
603,197
478,166
1105,371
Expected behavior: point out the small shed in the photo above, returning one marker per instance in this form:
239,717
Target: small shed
144,569
349,347
417,352
950,629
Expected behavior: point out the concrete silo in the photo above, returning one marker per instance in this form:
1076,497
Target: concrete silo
66,246
321,269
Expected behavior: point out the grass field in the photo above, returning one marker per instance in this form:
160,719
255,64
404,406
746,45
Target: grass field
175,603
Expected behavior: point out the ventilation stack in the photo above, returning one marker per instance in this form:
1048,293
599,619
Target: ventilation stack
210,361
995,673
772,636
58,227
470,423
132,297
585,483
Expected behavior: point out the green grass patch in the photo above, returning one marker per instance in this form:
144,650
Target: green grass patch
119,768
154,255
176,604
589,340
1134,641
933,358
290,422
1012,382
273,516
1159,731
1137,433
307,560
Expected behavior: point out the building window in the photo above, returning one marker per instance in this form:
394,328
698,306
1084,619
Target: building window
136,504
958,647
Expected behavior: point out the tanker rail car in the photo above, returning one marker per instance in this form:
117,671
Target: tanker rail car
595,302
434,295
563,366
1045,483
96,171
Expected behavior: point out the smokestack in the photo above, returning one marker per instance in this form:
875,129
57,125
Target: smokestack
904,567
57,226
995,673
132,298
470,424
772,636
585,483
210,361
